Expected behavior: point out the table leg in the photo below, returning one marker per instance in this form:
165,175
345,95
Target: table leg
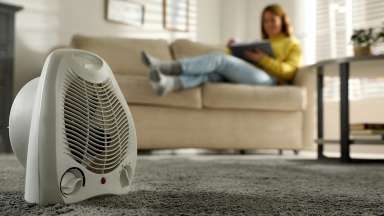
320,112
344,112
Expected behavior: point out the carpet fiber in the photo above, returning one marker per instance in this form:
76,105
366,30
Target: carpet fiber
221,185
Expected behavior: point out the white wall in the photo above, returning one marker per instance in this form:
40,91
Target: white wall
45,24
234,23
208,21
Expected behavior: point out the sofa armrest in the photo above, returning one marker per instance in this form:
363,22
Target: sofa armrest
303,74
306,78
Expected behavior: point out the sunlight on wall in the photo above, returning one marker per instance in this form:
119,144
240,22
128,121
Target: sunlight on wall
94,22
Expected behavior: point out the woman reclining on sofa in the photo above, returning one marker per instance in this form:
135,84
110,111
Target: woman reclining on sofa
187,73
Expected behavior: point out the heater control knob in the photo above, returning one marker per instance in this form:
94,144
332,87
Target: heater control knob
71,181
126,176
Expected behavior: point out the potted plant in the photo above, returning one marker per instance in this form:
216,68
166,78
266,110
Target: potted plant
380,35
362,40
378,48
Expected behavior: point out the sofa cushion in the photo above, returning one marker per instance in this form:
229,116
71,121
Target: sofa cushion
123,54
137,90
183,48
237,96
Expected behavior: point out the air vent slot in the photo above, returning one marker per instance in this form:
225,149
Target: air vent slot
96,127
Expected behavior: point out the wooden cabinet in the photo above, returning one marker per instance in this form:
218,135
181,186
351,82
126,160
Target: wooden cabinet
7,37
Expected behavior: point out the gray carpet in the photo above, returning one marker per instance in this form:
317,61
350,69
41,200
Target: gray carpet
221,185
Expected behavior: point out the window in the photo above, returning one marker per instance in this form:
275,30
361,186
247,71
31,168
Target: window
333,28
335,21
154,24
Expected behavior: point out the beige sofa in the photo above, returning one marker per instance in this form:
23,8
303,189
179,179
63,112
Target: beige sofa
214,116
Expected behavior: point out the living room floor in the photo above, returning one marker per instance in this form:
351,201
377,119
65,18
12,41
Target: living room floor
207,184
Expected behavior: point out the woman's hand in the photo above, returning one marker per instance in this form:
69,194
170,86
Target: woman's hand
230,42
255,56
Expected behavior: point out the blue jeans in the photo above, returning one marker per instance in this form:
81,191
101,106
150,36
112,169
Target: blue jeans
217,67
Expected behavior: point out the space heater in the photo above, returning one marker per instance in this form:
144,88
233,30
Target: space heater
72,130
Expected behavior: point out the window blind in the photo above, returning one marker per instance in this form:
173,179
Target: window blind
367,13
359,88
335,21
176,16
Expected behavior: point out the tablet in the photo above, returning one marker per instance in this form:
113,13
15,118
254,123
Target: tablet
239,50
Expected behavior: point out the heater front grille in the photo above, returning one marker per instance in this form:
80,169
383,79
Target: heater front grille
96,126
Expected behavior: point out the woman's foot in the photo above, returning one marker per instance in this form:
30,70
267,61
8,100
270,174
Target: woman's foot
149,60
163,84
168,68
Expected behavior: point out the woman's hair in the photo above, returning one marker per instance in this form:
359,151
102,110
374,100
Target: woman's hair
277,10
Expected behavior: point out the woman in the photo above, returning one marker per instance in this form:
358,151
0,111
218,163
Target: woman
187,73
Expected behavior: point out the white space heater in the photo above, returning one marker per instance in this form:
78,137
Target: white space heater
72,130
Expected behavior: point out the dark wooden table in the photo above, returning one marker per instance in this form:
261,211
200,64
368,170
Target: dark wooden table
344,141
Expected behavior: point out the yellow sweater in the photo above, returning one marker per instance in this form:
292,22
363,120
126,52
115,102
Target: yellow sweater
287,59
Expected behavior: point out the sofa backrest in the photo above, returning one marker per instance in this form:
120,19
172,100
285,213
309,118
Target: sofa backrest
184,48
123,54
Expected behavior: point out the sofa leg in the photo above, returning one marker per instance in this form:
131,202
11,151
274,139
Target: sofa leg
281,152
242,152
296,152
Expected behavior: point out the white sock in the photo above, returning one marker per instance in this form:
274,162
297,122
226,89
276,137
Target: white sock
163,84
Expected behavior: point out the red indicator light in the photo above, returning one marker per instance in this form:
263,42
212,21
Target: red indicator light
103,180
